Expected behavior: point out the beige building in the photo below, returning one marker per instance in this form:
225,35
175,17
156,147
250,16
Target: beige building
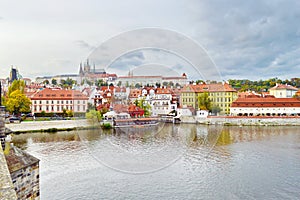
283,91
220,94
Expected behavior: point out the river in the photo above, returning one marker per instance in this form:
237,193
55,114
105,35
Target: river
168,162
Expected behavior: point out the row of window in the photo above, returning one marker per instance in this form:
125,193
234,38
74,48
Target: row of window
209,94
62,102
58,108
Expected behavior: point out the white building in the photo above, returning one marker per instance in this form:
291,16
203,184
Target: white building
283,91
151,80
265,107
161,102
58,100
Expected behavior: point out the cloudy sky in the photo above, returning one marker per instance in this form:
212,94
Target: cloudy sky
244,39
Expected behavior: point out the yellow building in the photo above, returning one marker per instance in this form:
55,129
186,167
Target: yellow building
220,94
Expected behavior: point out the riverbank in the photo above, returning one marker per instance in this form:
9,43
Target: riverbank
68,125
49,126
244,121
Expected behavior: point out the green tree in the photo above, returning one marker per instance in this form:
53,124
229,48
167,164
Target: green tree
54,81
93,115
204,102
16,85
70,113
17,103
137,85
46,82
215,109
90,107
144,105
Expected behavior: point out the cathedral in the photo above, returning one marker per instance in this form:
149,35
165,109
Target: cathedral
86,69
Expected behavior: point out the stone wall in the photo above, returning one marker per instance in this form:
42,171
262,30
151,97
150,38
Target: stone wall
6,187
243,121
24,171
255,121
2,126
26,182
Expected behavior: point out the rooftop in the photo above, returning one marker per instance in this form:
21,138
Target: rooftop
283,86
266,102
48,93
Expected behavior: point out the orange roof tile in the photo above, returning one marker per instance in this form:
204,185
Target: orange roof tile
266,102
62,94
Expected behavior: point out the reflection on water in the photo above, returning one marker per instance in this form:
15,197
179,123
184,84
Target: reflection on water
172,161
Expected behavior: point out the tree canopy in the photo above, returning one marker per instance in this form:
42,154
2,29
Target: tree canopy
204,101
17,102
144,105
261,85
16,85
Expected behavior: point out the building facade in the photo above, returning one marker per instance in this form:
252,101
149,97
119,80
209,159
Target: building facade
58,100
220,94
283,91
260,106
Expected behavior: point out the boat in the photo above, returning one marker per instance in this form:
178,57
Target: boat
135,122
120,120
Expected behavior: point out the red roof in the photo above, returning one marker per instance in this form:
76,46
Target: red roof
163,91
214,87
266,102
60,94
283,86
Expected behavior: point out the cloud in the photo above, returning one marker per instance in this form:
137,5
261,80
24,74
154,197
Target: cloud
245,37
129,60
84,45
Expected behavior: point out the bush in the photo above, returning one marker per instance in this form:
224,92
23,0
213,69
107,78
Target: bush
106,126
93,115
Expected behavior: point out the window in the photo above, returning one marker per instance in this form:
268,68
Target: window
78,102
78,108
62,102
70,102
67,102
52,108
35,108
47,108
40,102
62,108
57,108
52,102
83,108
40,108
34,102
57,102
47,102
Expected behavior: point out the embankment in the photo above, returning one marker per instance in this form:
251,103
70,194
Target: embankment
244,121
49,126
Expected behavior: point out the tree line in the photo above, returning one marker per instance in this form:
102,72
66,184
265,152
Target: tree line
261,85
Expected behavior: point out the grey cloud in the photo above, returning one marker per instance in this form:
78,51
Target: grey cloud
84,44
246,37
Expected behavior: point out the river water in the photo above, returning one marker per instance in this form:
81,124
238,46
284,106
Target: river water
168,162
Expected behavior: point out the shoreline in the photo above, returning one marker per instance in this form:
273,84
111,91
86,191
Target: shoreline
84,124
244,121
50,126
